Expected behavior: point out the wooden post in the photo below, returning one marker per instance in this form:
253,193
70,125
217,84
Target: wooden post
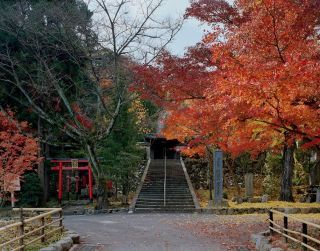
21,230
60,222
285,225
210,165
304,231
90,183
68,186
271,219
77,187
12,199
60,182
42,230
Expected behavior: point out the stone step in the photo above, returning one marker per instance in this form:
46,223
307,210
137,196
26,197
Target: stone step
154,200
173,189
161,199
168,189
167,193
168,184
161,210
166,207
178,196
160,202
172,206
167,198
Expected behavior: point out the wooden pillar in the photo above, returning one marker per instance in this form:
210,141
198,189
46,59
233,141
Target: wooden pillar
68,186
285,224
304,239
21,231
271,221
60,221
42,230
90,183
77,186
60,183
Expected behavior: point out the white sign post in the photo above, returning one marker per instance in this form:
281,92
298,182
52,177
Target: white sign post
12,199
12,184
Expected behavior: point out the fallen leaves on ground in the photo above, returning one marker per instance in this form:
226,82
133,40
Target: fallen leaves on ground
231,232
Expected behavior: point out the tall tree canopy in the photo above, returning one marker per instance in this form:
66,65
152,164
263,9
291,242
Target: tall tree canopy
251,85
72,70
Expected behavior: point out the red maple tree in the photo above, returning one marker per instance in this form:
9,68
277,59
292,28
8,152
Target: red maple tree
258,91
18,151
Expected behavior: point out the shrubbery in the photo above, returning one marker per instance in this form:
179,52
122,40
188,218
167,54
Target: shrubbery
31,191
272,171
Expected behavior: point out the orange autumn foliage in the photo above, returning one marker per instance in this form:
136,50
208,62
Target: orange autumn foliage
18,152
251,85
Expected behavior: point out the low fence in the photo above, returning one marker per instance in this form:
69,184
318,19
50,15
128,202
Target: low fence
28,230
301,237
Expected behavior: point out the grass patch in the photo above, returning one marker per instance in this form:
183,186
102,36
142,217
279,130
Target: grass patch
203,198
38,245
273,204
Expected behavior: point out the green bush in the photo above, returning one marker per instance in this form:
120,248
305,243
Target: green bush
31,191
225,195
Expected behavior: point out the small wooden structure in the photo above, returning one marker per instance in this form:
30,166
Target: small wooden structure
161,147
25,231
301,237
61,165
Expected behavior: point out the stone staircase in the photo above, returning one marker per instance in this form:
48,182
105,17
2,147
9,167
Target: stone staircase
176,194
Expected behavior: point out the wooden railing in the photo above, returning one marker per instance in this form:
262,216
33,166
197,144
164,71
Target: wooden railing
27,230
300,237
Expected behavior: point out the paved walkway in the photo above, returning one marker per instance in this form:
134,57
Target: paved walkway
130,232
153,232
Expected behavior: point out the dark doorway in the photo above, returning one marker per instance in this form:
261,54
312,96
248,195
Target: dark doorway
161,147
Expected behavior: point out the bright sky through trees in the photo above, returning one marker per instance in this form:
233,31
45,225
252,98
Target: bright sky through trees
192,30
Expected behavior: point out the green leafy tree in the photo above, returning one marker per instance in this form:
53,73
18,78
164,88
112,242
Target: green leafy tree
54,65
31,191
121,154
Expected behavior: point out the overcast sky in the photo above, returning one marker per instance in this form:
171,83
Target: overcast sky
192,30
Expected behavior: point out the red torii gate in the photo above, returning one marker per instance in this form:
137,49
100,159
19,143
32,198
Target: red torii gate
62,164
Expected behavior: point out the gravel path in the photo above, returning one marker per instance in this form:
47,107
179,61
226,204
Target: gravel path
153,232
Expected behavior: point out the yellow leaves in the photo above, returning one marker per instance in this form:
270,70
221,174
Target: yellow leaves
140,114
271,204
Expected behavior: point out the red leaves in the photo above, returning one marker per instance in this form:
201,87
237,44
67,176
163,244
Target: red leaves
18,152
213,11
81,117
252,80
232,232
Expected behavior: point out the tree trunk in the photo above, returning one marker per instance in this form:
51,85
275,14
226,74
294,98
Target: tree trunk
42,172
100,179
125,190
102,195
287,173
116,185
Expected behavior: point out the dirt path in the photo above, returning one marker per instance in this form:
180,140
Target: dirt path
165,231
